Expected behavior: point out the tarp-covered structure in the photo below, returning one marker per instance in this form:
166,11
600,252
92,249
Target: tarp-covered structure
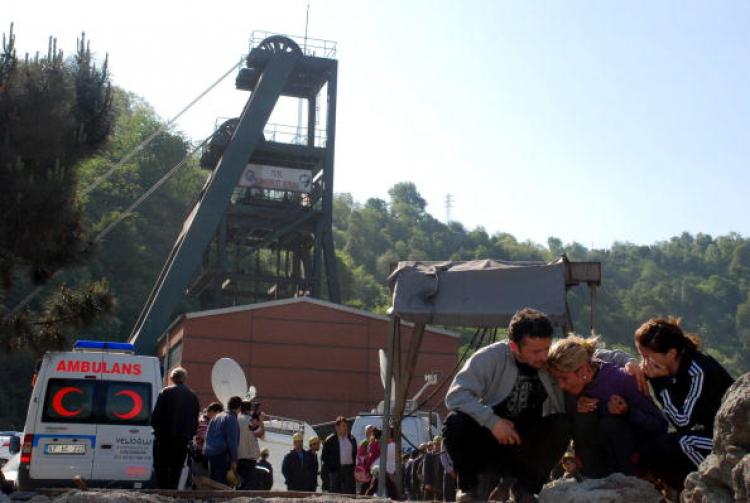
477,293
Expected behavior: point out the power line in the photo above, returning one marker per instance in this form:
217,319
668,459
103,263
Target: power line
146,194
104,177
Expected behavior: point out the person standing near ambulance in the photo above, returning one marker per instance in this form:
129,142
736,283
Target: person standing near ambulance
222,440
175,421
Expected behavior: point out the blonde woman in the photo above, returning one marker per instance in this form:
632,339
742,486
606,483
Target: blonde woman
611,417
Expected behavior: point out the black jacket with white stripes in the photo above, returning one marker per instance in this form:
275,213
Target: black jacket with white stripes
692,397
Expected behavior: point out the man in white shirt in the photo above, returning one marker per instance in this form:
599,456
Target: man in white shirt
339,456
248,450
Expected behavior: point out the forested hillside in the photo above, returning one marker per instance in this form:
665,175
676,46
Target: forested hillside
703,279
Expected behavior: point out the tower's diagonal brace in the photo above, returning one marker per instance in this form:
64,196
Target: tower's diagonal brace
201,225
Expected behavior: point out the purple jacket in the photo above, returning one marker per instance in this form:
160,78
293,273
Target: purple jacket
642,413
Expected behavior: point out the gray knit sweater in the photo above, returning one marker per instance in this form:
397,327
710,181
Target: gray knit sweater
488,377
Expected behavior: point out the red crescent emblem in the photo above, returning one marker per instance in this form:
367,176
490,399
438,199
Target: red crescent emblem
137,404
58,406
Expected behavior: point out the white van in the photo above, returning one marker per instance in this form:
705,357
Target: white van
90,416
417,428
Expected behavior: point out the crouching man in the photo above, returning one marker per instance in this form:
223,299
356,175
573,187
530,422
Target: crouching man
507,415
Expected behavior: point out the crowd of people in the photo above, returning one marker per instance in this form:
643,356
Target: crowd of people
217,443
521,411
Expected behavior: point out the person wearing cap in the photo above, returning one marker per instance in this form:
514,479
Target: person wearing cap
339,456
300,467
175,421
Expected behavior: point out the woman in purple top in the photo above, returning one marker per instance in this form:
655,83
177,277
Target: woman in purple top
611,417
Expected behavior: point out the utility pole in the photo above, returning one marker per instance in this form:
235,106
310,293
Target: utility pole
448,207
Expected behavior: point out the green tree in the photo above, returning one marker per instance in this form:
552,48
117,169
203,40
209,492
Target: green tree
54,113
132,255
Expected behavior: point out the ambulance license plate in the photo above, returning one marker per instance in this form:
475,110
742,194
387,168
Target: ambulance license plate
65,449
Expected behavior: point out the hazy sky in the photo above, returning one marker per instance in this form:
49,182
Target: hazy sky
593,121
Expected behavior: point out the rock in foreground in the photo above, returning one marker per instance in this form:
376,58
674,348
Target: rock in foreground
617,488
724,476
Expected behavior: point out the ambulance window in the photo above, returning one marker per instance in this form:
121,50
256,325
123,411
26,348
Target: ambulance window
127,403
69,401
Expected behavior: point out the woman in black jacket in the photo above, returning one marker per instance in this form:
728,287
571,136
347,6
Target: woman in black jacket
689,385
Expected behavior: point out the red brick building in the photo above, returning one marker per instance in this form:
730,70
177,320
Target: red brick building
309,359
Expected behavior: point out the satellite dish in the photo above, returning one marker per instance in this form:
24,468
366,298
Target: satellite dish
383,368
251,392
228,379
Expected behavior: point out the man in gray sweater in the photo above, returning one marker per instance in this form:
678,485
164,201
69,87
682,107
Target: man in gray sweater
507,414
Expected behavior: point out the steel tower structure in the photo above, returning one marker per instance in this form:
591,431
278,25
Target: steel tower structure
262,228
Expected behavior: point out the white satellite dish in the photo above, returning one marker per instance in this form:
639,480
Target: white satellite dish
228,380
251,392
383,364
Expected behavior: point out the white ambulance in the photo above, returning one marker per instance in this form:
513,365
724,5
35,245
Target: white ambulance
90,417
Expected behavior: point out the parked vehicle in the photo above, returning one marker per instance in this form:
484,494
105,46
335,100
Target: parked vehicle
89,416
10,470
417,428
10,444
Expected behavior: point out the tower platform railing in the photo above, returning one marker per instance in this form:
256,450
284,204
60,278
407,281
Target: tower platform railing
310,46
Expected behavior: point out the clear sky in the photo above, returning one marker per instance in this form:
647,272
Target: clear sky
593,121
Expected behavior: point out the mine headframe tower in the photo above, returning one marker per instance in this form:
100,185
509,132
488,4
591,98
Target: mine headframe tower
275,240
262,228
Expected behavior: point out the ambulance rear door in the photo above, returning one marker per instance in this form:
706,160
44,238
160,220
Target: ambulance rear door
124,438
65,427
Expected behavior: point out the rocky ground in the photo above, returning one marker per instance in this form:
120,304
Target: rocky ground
613,489
137,497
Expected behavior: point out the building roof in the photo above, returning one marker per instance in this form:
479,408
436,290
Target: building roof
297,300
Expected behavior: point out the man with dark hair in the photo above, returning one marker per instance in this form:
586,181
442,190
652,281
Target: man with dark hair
222,440
175,420
263,476
339,456
507,413
206,416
